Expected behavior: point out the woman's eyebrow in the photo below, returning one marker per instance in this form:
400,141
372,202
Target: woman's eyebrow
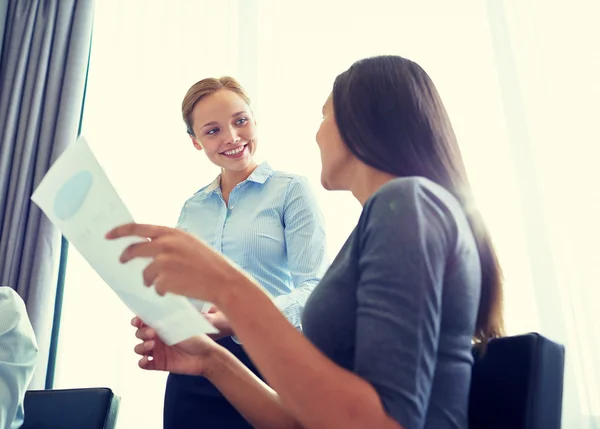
211,123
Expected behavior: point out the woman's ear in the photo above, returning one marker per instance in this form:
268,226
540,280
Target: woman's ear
195,142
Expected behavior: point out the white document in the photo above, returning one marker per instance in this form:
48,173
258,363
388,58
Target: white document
79,199
202,306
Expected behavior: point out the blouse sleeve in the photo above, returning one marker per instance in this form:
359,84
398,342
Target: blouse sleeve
306,247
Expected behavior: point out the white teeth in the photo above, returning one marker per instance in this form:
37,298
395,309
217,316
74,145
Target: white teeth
234,151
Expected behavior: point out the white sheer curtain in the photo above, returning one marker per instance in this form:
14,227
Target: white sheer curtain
548,65
147,53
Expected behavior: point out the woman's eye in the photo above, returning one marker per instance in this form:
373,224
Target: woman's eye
213,131
241,121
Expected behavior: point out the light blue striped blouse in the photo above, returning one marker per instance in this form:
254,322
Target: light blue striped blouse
18,355
272,228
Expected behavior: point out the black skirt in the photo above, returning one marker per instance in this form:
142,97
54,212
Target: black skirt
192,402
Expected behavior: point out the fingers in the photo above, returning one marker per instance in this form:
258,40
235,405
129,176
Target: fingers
143,249
145,348
137,322
151,272
160,285
213,309
212,317
138,230
146,363
146,333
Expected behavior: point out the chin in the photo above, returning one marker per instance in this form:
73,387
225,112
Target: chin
331,185
326,184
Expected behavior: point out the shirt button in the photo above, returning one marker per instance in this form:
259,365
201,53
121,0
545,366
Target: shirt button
230,207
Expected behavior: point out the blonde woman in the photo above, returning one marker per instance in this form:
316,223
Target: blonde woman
265,221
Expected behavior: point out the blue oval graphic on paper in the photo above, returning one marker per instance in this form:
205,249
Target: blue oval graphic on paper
71,195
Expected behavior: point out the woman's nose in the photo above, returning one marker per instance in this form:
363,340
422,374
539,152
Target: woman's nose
232,136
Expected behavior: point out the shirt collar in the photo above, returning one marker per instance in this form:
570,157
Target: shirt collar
259,175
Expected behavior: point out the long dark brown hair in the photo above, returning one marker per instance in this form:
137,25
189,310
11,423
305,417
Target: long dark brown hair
392,118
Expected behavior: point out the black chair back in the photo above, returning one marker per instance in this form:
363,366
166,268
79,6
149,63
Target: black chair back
95,408
517,384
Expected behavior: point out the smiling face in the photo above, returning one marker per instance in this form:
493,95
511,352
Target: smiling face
225,130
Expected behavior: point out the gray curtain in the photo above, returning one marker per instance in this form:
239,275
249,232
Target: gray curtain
3,11
42,83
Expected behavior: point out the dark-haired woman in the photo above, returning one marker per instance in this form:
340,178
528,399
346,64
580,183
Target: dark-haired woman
388,331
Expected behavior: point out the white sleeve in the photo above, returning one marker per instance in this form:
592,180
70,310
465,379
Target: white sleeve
18,356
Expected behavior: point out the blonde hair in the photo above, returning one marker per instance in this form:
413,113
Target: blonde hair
206,87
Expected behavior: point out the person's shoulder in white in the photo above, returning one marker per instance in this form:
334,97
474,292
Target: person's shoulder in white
18,356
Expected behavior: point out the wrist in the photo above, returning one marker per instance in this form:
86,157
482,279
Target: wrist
216,363
233,292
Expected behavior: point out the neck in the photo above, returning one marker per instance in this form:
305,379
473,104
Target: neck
367,181
230,179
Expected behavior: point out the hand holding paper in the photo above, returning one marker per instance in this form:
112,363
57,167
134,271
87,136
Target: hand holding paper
181,263
77,196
